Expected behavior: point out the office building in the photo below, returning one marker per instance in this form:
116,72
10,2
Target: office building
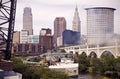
76,21
33,39
27,49
59,41
70,37
59,27
16,37
46,43
46,40
27,20
100,24
45,31
24,36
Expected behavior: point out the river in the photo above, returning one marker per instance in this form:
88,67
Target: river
90,76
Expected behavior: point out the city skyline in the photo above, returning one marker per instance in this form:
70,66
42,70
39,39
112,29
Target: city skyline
44,12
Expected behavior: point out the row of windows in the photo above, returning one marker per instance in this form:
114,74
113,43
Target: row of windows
100,11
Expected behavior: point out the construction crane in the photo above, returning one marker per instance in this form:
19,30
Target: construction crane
7,21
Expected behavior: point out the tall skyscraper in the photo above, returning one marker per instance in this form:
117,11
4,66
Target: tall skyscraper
100,24
76,21
59,27
27,20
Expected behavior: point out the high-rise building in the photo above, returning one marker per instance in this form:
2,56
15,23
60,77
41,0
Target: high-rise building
59,27
100,24
76,21
27,20
70,37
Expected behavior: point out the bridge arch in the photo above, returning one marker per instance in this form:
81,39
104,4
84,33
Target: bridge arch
84,54
107,54
92,55
71,52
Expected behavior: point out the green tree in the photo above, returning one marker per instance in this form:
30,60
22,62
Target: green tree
18,65
117,64
83,63
108,63
96,65
36,72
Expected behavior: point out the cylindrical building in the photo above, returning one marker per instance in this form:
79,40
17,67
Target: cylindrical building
100,24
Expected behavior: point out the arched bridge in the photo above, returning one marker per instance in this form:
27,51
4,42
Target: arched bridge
94,50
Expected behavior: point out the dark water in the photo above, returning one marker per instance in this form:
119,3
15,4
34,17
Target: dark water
90,76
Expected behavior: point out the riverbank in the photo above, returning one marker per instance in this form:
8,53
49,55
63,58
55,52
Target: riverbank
91,76
107,66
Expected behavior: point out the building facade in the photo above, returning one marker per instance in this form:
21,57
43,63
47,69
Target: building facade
27,20
45,31
33,39
46,40
46,43
24,36
76,21
27,49
16,37
70,37
100,24
59,27
59,41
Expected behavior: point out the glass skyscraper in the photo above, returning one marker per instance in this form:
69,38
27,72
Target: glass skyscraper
100,24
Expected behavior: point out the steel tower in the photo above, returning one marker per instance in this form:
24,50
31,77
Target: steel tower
7,21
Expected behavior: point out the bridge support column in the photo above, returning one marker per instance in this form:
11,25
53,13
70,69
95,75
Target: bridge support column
116,50
98,51
87,53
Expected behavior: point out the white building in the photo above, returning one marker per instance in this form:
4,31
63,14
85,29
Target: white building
24,36
59,41
33,39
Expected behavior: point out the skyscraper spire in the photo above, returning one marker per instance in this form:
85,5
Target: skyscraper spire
76,21
76,9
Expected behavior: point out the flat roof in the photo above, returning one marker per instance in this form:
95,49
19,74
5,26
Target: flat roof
100,8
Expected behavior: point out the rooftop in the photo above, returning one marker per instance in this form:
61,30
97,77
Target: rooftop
100,8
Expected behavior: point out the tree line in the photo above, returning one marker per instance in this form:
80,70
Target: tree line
36,72
108,66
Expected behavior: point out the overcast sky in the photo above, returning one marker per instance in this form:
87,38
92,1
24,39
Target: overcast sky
45,11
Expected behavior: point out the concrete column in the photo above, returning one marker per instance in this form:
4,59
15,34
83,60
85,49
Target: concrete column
98,51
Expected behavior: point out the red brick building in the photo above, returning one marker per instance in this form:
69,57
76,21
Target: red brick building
46,43
26,49
46,40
